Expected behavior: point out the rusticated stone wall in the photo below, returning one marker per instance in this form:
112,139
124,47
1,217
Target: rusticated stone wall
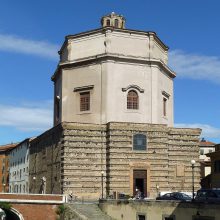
77,153
183,147
45,161
167,158
84,158
122,159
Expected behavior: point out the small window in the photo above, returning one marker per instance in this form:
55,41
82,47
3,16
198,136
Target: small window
116,23
169,217
201,151
164,107
108,22
210,150
85,101
141,217
132,100
139,142
57,109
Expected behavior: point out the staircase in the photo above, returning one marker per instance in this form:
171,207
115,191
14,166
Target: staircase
85,211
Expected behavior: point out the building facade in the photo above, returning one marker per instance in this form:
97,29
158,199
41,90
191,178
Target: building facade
113,119
4,166
19,168
113,75
214,177
205,147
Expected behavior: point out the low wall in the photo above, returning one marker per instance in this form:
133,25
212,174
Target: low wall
34,206
157,210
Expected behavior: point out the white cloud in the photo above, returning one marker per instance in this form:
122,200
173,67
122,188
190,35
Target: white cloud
20,45
27,117
207,130
195,66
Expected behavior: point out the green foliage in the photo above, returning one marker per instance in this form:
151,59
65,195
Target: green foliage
60,209
5,205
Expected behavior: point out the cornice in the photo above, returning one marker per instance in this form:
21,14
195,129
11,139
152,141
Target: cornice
112,29
117,58
133,87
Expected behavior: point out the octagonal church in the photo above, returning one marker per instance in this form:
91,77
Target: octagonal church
113,119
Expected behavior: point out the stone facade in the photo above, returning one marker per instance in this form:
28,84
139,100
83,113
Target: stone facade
113,117
76,154
45,161
108,63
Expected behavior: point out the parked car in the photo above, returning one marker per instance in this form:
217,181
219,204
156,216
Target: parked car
175,196
208,195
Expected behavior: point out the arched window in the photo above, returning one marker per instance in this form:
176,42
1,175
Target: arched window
116,23
108,22
139,142
132,100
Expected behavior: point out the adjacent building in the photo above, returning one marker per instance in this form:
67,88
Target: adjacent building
205,147
113,119
214,177
19,168
4,166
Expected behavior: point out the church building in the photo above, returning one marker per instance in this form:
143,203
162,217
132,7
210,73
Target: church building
113,119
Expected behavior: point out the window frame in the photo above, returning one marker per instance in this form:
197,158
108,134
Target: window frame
135,145
108,22
85,106
116,23
79,91
141,214
132,104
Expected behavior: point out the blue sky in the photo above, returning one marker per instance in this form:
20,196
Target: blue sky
31,33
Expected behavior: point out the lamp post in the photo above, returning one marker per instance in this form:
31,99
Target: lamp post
158,187
4,187
193,166
102,175
34,179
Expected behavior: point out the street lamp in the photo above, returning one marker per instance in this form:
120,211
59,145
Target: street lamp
102,175
193,166
4,186
34,179
157,187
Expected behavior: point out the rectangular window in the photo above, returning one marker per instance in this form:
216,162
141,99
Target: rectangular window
141,217
164,107
139,142
168,217
201,151
85,101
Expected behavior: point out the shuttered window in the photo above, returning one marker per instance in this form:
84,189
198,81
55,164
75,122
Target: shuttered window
85,101
132,100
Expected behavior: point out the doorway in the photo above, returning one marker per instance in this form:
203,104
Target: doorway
140,182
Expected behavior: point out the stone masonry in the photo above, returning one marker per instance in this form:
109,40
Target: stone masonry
72,156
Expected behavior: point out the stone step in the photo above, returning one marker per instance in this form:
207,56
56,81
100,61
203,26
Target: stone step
87,211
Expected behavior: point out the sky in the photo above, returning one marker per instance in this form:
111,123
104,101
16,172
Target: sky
31,33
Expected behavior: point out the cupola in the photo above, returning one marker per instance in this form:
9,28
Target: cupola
113,20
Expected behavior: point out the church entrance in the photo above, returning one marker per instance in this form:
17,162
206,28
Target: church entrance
140,182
